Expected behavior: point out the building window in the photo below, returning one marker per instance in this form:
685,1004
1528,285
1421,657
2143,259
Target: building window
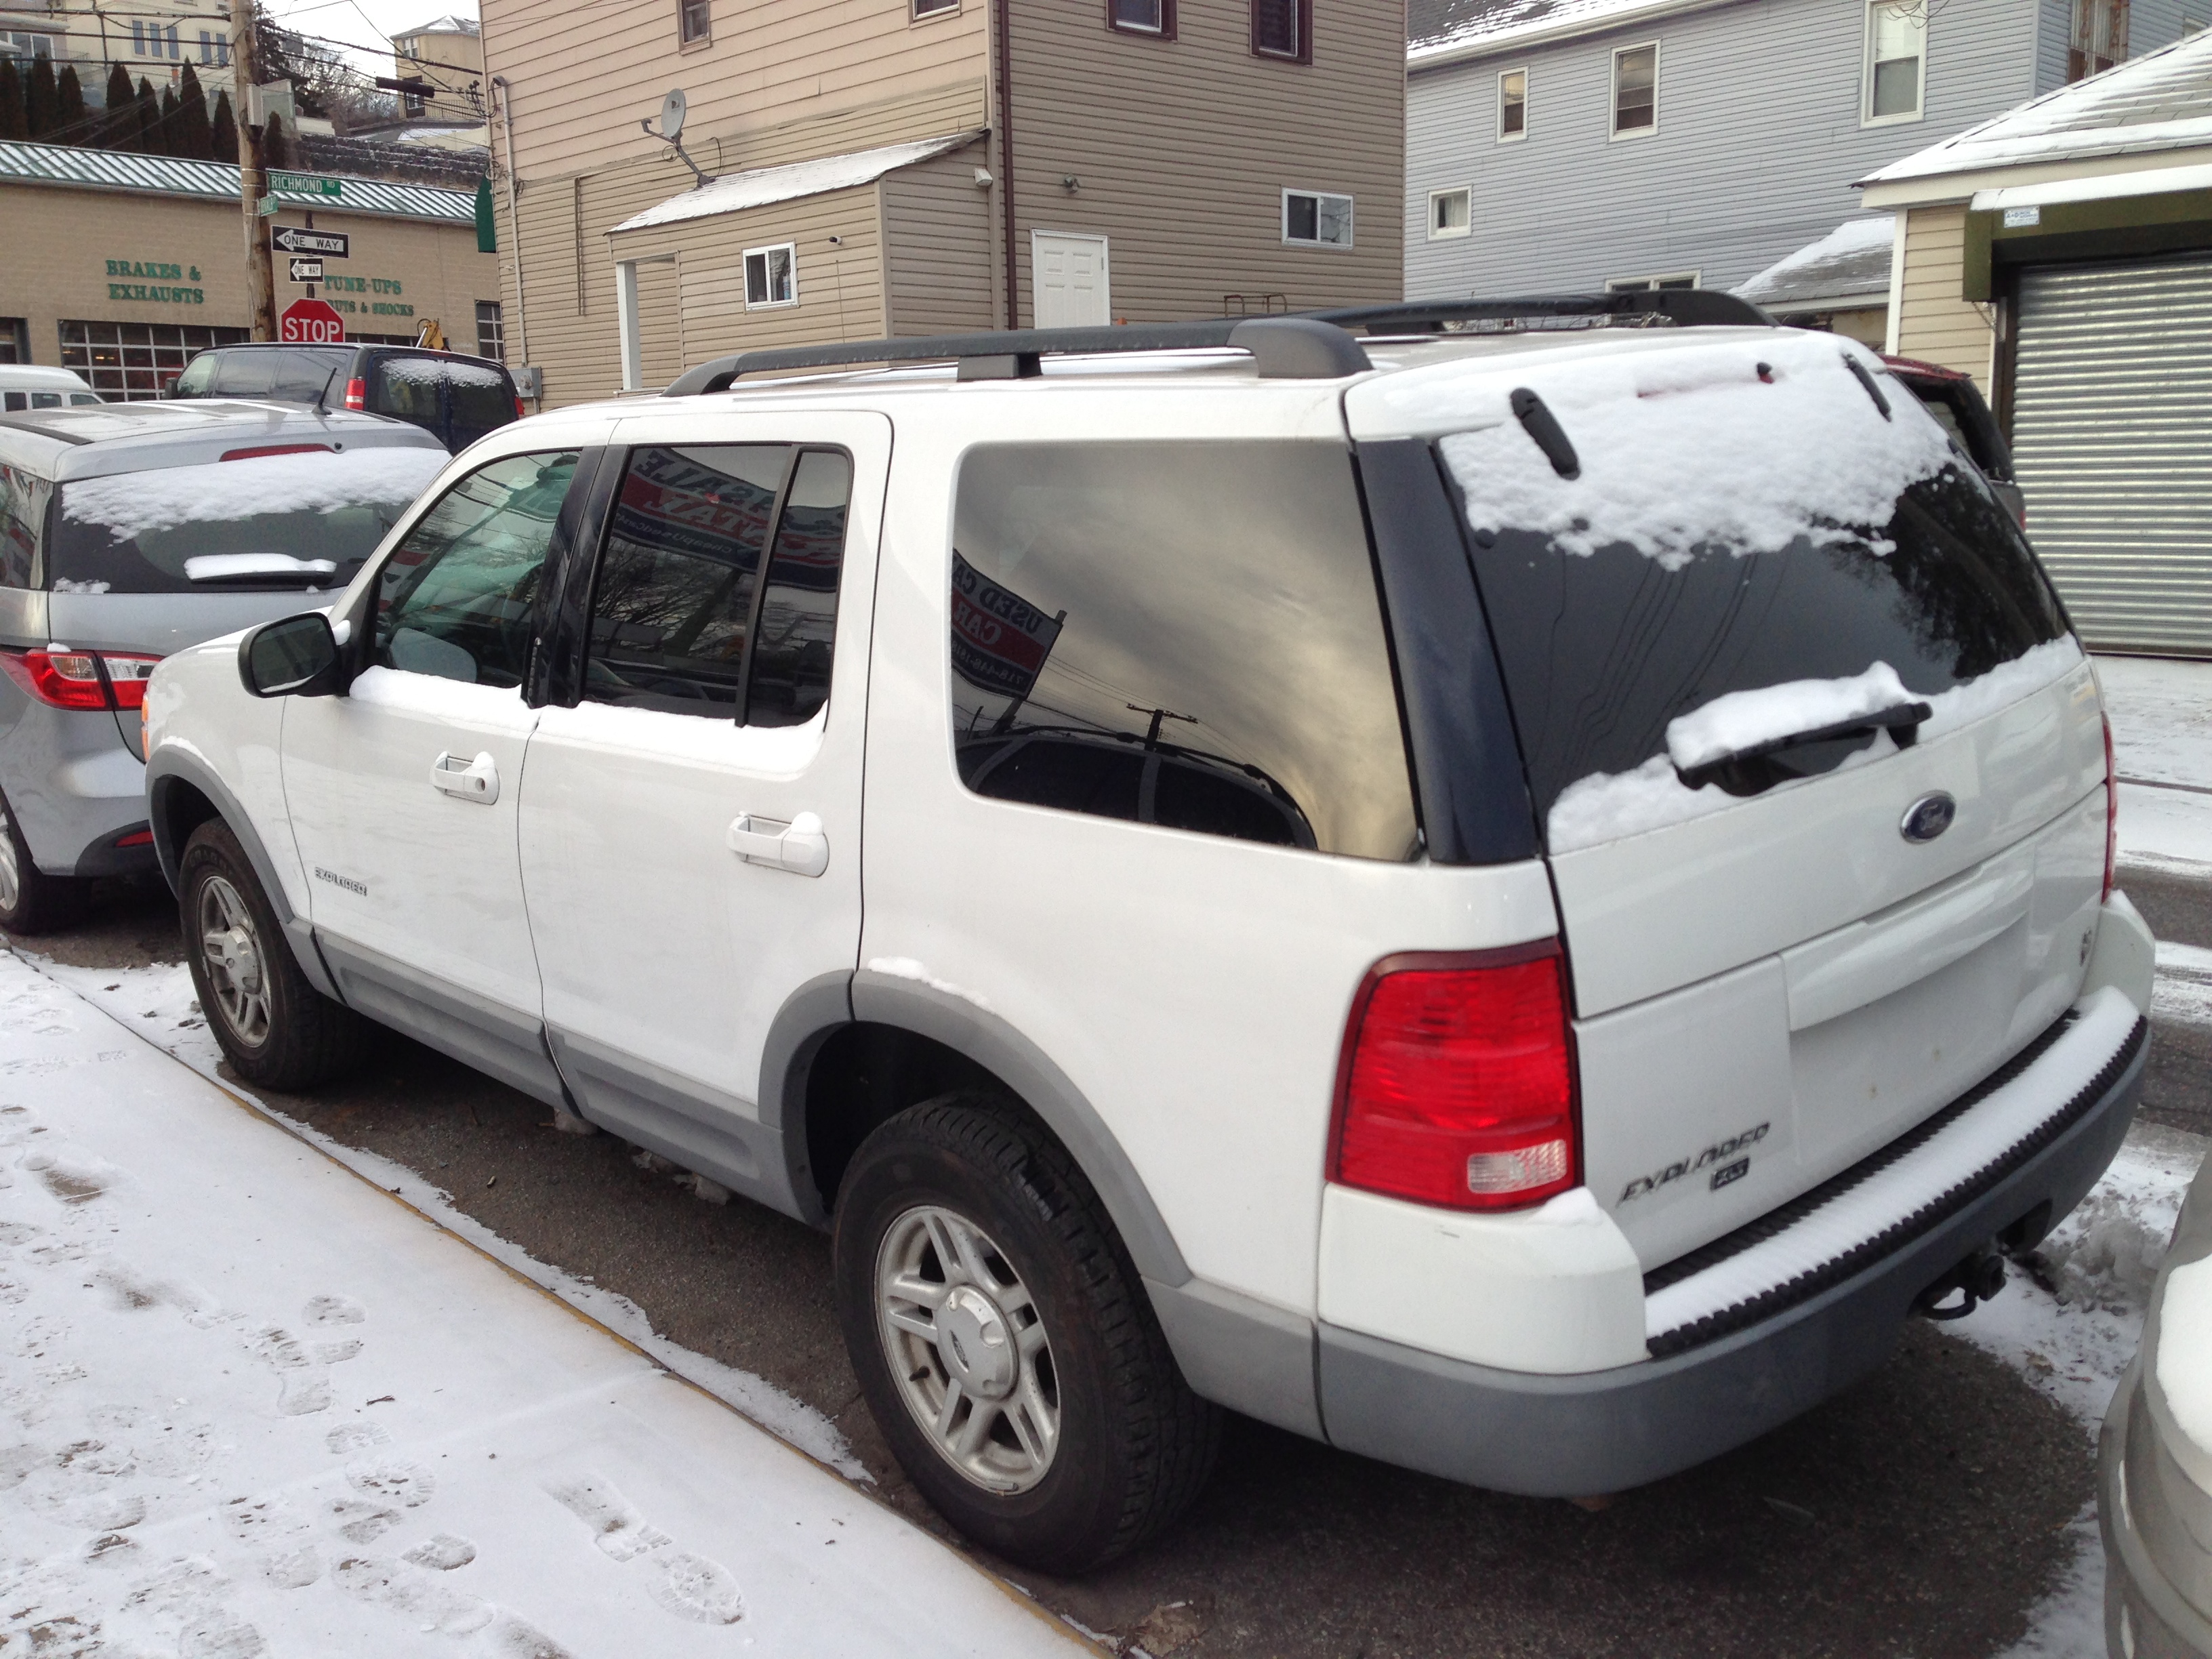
175,51
1897,51
770,278
693,23
214,49
1512,105
2101,37
137,38
1142,17
15,340
1313,219
128,362
1636,91
934,8
1644,285
1282,28
1448,214
24,47
491,332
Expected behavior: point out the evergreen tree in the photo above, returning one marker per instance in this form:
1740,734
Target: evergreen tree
119,126
152,141
42,99
223,144
169,125
74,129
12,124
276,143
192,136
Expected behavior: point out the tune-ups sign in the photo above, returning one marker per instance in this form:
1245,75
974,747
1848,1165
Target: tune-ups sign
1000,640
310,322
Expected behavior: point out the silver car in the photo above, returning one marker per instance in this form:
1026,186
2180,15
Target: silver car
130,531
2155,1460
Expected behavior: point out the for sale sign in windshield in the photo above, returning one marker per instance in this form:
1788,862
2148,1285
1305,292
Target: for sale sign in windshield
1000,640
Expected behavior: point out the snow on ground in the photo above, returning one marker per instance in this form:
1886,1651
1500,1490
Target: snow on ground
251,1405
2161,714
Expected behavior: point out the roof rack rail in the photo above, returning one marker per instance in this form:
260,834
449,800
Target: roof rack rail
1308,346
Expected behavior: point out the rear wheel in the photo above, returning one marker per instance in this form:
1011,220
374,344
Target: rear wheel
1005,1342
276,1029
31,901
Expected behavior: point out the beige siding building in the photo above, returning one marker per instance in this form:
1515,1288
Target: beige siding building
446,53
909,166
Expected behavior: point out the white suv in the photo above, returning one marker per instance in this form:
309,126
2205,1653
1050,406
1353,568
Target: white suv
1512,900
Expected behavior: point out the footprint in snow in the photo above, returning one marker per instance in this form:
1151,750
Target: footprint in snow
332,1310
442,1553
355,1436
690,1586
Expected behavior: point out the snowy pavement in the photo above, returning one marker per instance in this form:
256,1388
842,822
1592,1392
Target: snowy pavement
2162,715
251,1405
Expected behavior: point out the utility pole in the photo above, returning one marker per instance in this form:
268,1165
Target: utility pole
253,169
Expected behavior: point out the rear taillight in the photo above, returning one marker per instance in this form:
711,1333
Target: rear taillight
357,393
1456,1087
71,679
520,413
2111,807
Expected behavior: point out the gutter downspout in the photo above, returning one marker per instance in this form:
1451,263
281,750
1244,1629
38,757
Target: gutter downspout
1006,45
514,220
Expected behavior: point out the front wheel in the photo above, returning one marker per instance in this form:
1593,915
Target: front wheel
276,1029
1005,1342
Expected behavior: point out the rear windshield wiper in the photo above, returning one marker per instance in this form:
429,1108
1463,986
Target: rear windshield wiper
204,568
1760,766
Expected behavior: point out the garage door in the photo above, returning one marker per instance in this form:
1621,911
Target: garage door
2113,446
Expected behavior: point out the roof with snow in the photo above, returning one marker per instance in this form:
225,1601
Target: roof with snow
2161,100
217,181
448,24
735,192
1444,31
1850,264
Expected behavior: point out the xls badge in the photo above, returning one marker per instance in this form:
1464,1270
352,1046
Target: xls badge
1722,1153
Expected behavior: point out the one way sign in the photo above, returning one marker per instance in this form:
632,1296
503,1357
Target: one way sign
290,239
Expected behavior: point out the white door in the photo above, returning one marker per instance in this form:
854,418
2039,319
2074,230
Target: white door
690,831
1071,280
402,792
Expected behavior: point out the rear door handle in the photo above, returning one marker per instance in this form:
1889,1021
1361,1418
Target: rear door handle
799,846
474,781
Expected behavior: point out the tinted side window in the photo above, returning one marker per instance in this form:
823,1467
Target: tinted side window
799,610
22,510
407,388
456,599
303,376
198,377
480,396
245,374
1200,620
672,605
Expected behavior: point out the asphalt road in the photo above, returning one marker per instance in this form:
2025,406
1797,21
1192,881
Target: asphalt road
1921,1513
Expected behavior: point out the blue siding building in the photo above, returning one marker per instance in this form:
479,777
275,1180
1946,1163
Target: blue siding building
1571,144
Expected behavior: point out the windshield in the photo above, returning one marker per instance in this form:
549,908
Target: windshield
286,520
1749,553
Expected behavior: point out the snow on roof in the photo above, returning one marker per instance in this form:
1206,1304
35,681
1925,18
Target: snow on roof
735,192
1850,261
1440,31
217,181
2159,102
448,24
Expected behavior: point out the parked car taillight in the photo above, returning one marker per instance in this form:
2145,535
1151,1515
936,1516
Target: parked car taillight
520,413
71,679
2111,807
357,393
1456,1086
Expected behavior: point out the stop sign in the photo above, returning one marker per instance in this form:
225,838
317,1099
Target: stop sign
310,322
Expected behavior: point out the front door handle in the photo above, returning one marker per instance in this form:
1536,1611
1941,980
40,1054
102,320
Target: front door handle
799,846
475,781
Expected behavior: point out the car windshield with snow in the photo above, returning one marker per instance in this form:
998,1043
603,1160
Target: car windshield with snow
1512,899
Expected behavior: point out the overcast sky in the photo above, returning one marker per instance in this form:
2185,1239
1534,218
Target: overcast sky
366,24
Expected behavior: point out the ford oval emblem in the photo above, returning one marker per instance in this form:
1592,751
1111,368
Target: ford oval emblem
1929,817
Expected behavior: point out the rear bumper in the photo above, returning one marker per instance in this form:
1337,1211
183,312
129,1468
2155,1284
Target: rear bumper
1602,1431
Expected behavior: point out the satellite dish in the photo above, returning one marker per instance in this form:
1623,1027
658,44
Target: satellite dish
671,114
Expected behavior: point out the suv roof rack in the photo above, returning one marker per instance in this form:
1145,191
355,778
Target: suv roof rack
1307,346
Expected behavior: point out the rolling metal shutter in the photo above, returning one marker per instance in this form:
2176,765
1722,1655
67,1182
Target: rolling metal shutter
2112,445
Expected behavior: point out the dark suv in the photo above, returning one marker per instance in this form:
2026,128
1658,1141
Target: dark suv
1961,409
454,397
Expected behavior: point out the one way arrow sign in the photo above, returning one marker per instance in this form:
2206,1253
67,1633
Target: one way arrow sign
290,239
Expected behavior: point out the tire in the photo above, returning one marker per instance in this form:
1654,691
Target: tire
31,901
1094,1443
276,1029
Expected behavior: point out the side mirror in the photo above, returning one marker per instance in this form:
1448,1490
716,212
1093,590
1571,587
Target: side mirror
297,657
169,385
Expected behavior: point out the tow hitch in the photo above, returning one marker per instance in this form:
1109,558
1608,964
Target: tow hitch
1977,1279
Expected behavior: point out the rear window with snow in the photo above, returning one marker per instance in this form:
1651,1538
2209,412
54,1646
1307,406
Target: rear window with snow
1749,553
297,520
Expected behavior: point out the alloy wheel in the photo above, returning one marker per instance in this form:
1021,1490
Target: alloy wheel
968,1349
230,946
11,873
